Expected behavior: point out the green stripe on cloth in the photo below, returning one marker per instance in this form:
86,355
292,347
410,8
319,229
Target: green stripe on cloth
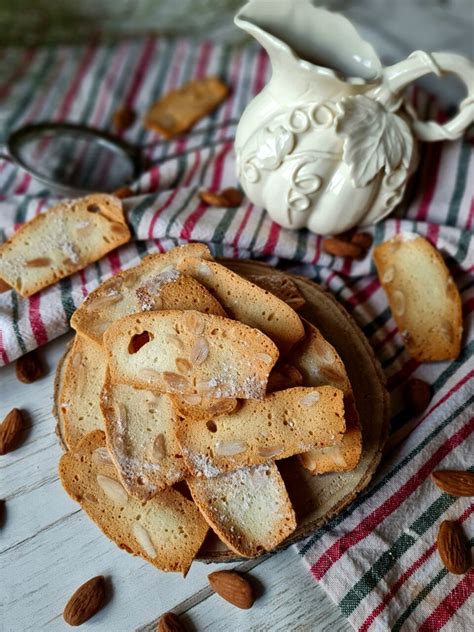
16,327
460,185
36,78
418,599
387,477
389,558
421,596
65,287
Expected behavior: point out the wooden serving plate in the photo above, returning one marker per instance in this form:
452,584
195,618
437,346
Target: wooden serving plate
316,498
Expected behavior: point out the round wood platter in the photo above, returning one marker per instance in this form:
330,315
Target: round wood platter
316,498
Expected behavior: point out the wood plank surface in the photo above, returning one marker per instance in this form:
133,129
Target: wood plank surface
48,547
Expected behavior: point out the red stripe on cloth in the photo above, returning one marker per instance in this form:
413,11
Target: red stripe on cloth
106,88
24,184
262,62
363,295
402,374
241,228
470,219
174,193
272,239
154,179
3,352
19,70
204,57
75,85
82,276
432,234
142,67
433,162
391,334
36,320
193,219
406,575
450,604
114,260
370,522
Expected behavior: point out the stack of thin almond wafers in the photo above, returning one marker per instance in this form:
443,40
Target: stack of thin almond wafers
193,396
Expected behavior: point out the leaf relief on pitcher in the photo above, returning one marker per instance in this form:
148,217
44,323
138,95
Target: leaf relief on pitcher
374,139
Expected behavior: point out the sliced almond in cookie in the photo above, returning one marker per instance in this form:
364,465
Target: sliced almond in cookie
284,423
281,286
167,531
319,363
233,366
141,440
58,244
422,295
249,508
152,285
247,302
78,397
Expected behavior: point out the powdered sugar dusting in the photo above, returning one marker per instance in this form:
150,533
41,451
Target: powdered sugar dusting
148,293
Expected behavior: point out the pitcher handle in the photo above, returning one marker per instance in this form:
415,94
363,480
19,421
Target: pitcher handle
421,63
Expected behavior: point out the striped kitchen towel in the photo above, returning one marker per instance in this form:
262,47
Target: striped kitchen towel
376,559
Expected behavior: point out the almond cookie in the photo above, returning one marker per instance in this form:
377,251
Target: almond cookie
422,295
65,239
179,110
319,363
281,286
141,440
78,397
249,508
167,531
284,423
153,284
247,302
189,353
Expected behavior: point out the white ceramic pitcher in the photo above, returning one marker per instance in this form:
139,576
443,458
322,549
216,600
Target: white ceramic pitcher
329,142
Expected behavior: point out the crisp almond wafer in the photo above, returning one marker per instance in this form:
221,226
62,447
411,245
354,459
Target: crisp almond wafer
422,295
280,285
248,303
179,110
249,508
65,239
153,284
141,440
167,531
284,423
187,352
78,396
319,363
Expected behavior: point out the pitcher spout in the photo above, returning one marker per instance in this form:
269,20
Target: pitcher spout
311,40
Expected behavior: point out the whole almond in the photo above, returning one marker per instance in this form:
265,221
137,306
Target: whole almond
418,395
85,602
364,240
11,431
29,368
341,248
169,622
454,482
123,118
233,588
227,198
123,192
453,547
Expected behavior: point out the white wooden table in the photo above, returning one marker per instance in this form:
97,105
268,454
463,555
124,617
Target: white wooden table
48,547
